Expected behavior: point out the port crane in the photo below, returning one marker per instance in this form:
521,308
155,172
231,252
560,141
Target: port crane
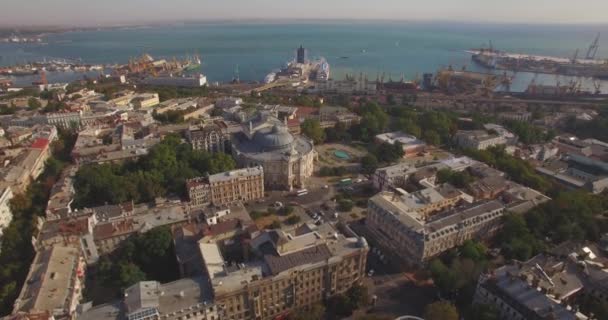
597,84
575,57
593,48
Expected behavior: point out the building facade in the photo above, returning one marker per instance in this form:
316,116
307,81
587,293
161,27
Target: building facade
288,272
478,139
227,187
145,100
416,237
5,210
210,138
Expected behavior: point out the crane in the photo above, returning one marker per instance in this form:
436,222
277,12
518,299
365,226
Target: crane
592,51
575,57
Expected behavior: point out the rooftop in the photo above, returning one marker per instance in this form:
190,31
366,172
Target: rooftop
230,175
50,282
398,136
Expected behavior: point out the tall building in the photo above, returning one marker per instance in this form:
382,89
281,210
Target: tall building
301,55
210,138
227,187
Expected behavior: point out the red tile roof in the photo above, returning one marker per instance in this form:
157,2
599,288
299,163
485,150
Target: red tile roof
40,143
304,112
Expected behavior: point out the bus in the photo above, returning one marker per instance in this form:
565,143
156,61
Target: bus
345,182
301,192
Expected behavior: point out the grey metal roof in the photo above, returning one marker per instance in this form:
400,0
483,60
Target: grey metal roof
278,264
277,137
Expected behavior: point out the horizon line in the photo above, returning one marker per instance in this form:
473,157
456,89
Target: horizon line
160,22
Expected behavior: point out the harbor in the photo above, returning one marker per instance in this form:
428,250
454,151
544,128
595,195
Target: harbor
579,66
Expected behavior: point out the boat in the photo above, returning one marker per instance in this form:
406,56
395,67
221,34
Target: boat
271,77
344,57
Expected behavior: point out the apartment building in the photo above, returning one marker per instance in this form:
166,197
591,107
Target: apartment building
478,139
210,138
289,271
145,100
294,271
6,215
415,237
54,285
227,187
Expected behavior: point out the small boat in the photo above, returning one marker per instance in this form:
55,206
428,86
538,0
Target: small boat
271,77
344,57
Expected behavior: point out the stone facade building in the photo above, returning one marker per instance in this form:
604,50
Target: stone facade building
210,138
415,237
287,159
227,187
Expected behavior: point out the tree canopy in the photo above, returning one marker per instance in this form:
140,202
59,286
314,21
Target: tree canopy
457,179
312,129
144,256
369,164
373,121
441,310
164,170
517,169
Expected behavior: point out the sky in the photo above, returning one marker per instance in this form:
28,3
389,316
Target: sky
111,12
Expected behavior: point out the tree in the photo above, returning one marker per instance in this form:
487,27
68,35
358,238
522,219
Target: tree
339,133
34,103
130,274
358,295
432,137
293,219
483,312
340,306
345,205
369,164
286,210
373,121
441,310
386,152
457,179
164,170
475,251
312,129
314,312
